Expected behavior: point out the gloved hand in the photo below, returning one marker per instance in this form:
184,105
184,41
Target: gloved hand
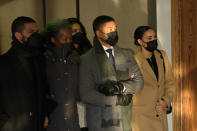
124,100
111,88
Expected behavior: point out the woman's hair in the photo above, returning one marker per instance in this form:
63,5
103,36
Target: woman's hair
72,21
139,32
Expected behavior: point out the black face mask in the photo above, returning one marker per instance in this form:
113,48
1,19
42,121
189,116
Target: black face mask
67,45
35,41
112,38
79,38
152,45
66,49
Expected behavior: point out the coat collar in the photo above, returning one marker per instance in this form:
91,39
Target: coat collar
105,68
159,61
145,65
23,51
98,47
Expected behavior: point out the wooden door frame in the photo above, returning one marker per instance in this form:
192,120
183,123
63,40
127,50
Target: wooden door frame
184,54
176,60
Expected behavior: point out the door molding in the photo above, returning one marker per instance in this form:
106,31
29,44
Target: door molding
176,62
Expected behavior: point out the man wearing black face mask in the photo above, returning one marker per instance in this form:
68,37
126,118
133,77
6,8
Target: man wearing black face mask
62,63
109,76
22,80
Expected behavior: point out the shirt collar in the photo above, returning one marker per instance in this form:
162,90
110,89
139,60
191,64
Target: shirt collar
105,48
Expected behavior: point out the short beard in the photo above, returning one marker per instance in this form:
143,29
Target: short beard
24,39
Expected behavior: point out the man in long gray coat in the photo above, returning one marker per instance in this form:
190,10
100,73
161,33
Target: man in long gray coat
109,76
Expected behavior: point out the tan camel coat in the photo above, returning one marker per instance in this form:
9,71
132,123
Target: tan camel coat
143,111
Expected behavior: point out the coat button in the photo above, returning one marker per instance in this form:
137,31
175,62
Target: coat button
52,95
60,59
66,73
64,61
65,118
30,113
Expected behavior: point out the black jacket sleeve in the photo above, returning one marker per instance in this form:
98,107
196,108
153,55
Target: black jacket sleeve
3,118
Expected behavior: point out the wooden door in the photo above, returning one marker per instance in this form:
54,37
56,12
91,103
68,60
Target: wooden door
184,53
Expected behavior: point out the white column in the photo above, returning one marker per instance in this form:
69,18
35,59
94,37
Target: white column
164,25
164,35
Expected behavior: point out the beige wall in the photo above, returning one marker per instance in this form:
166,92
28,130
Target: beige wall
60,9
128,15
10,9
164,36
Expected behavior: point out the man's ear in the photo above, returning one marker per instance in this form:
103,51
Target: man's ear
98,33
53,40
18,36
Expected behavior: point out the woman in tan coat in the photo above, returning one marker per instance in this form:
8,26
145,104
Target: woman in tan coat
150,104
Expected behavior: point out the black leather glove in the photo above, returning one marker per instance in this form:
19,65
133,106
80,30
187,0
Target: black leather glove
111,88
124,100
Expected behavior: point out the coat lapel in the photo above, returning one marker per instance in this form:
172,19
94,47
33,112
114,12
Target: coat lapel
159,61
118,56
106,70
21,64
145,66
122,64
